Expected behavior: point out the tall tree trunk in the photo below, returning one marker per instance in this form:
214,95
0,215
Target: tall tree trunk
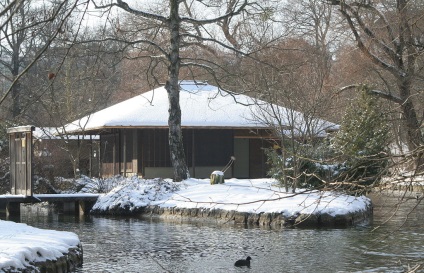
412,125
16,100
402,54
414,134
16,89
172,87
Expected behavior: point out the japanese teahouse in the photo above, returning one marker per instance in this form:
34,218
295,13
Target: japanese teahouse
216,125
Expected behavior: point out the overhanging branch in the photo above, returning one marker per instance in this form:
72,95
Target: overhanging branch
123,5
376,92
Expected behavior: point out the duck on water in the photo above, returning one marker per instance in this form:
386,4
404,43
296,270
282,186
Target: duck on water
243,262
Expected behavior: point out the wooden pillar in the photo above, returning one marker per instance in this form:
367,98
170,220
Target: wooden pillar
124,153
193,151
119,151
13,209
90,158
69,207
135,153
82,207
114,153
85,207
142,156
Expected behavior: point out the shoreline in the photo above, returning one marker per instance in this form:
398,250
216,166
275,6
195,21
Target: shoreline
272,220
64,264
27,249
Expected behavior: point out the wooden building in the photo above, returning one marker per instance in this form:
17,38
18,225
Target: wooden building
216,126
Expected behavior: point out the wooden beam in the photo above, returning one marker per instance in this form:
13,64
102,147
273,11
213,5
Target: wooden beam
135,152
193,150
21,129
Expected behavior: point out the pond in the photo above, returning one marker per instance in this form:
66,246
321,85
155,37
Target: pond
139,245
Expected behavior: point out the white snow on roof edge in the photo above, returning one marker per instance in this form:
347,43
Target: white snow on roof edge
202,105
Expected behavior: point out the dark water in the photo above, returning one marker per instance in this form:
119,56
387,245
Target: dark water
135,245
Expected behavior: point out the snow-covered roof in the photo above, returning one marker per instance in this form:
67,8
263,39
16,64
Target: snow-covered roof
202,105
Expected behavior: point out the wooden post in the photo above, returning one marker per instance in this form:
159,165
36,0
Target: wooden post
13,209
193,152
135,153
217,177
85,207
69,207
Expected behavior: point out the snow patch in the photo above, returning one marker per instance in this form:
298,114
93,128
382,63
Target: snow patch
244,195
21,244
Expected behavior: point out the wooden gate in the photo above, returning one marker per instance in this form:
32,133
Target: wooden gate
20,150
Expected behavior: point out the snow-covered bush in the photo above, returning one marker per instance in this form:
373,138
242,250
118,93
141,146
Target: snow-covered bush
98,185
134,193
309,170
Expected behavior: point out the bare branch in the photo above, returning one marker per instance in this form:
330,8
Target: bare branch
10,6
43,49
378,93
123,5
230,13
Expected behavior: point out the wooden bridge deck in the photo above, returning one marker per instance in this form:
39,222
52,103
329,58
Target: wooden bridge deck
50,197
82,202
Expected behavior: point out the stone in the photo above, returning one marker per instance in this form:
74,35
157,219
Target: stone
65,264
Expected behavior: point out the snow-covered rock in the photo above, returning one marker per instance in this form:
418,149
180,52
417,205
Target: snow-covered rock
23,247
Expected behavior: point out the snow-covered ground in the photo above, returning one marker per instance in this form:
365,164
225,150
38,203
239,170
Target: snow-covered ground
245,195
21,244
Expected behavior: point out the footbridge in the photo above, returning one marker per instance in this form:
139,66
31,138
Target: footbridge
80,203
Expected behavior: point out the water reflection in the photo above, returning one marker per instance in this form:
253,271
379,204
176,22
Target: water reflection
136,245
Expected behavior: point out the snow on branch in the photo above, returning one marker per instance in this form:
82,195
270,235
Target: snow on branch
376,92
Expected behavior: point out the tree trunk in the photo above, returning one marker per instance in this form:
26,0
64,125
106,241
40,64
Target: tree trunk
16,100
413,132
402,53
16,92
172,87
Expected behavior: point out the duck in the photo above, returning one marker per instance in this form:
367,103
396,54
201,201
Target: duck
243,262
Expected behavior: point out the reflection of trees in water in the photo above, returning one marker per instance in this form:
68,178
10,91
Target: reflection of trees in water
398,210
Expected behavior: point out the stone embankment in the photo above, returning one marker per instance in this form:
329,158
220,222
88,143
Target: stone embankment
272,220
65,264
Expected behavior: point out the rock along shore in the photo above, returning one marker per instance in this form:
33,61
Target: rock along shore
65,264
271,220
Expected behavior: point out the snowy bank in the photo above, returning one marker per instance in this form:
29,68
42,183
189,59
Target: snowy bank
249,201
405,181
27,249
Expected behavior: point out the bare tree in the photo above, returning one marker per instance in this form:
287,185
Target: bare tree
48,77
293,70
389,33
176,28
21,29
